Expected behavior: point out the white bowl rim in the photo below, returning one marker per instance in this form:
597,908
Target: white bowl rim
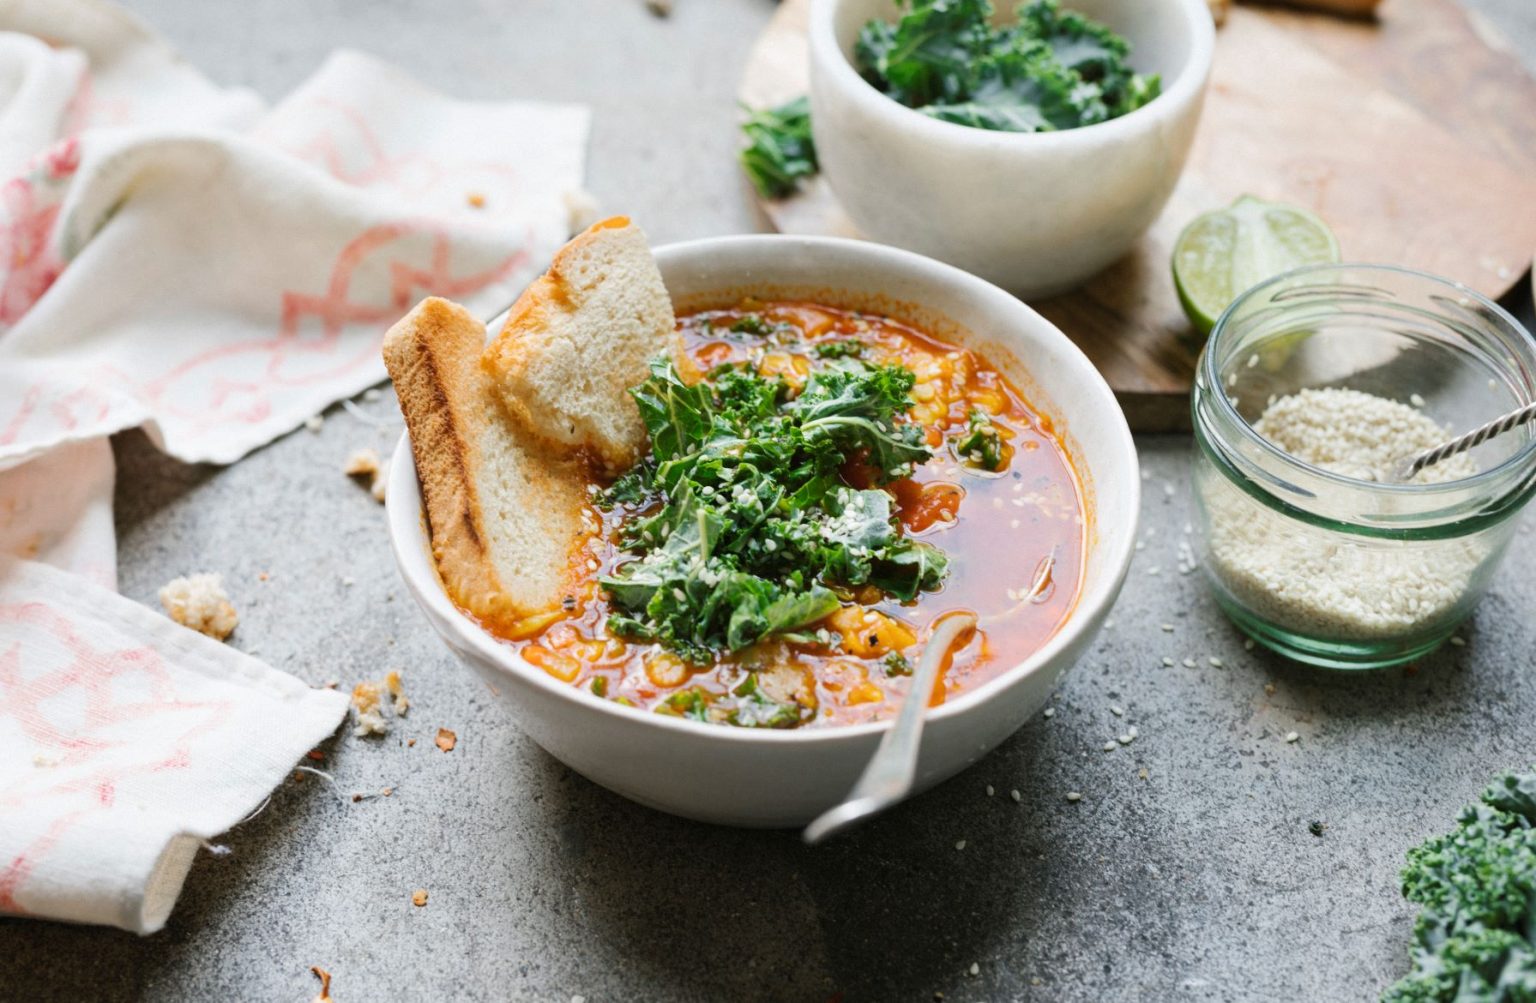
406,528
1198,26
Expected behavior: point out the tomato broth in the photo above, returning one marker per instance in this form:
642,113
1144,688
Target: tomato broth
1015,538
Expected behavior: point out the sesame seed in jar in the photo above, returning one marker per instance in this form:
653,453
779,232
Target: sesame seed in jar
1300,578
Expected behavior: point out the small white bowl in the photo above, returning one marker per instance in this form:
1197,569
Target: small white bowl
1036,213
742,776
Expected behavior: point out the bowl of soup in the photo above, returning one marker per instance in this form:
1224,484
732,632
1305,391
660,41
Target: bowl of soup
1017,501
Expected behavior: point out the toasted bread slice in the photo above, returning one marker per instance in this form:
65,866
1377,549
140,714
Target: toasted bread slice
580,337
505,518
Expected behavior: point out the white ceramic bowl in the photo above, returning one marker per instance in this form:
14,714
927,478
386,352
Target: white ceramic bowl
750,777
1036,213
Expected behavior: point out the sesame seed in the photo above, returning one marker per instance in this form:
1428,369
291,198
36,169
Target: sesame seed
1189,663
975,968
1216,663
1127,739
1253,360
990,791
1074,796
1168,628
1117,711
1015,795
1050,712
1415,400
1247,644
1110,746
1459,641
1167,662
1292,737
1154,570
960,844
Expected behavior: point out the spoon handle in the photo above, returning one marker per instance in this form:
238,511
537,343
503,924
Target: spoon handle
1471,440
888,777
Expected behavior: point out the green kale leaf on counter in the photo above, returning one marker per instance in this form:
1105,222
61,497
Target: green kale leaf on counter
1475,937
779,150
1051,70
741,524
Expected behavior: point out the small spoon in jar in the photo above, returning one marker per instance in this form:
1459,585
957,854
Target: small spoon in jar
888,777
1405,468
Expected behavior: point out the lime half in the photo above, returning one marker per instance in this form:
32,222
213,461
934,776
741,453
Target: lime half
1223,254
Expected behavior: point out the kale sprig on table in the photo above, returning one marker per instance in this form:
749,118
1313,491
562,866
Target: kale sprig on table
1475,939
1051,70
743,524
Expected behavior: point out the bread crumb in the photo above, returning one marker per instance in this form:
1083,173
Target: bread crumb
581,209
419,897
314,422
401,702
325,984
362,463
199,602
1219,10
364,466
446,739
661,8
476,200
366,698
410,743
316,754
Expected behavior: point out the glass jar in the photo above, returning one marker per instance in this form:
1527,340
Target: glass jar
1330,569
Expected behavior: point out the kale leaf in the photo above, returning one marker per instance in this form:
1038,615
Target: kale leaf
740,524
1051,70
1475,938
779,150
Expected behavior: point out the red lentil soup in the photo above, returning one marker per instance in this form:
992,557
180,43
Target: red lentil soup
1014,538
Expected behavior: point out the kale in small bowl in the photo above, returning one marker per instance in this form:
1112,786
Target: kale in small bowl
1050,70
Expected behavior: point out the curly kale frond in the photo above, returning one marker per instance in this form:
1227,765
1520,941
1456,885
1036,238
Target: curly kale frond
1475,937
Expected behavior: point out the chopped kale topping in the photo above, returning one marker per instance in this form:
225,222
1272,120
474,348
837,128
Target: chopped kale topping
982,445
741,523
839,349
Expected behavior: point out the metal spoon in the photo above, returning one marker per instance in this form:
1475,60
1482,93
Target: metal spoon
888,777
1410,465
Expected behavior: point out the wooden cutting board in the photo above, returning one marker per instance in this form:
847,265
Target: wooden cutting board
1414,136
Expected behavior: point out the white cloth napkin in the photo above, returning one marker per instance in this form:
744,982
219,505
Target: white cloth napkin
174,256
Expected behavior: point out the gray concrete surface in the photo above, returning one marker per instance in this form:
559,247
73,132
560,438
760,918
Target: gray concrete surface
1197,880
